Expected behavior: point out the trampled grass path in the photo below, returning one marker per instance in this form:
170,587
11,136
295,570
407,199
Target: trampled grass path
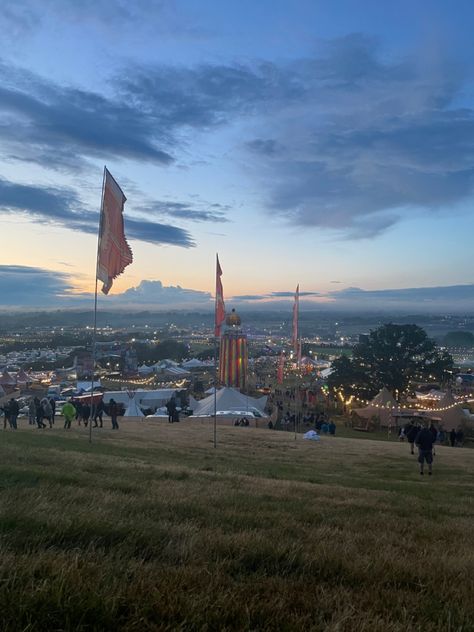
151,528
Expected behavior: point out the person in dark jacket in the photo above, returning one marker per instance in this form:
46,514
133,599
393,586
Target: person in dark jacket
434,432
411,436
114,413
97,413
452,438
13,410
39,413
424,442
86,412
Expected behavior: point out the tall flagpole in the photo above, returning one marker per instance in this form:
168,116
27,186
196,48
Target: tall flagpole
219,317
215,391
94,335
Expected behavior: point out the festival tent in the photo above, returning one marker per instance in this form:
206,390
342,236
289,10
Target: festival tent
228,400
382,407
145,370
450,412
23,378
194,363
144,398
133,409
6,379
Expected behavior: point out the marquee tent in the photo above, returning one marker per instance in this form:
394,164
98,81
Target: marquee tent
228,400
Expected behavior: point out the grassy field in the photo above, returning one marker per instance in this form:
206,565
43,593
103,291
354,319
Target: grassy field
150,528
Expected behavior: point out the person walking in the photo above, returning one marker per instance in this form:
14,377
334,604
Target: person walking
411,436
98,411
39,413
86,413
113,413
434,432
424,442
6,415
13,410
52,403
69,413
452,438
47,411
32,412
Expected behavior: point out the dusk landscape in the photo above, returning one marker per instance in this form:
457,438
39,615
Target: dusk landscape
236,315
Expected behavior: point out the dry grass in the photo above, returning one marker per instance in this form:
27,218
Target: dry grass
151,528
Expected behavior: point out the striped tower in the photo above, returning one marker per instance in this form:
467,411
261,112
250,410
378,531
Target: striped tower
233,356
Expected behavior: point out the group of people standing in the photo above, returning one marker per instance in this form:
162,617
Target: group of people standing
42,412
424,439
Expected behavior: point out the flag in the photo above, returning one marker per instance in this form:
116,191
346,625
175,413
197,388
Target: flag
114,252
220,307
281,364
294,338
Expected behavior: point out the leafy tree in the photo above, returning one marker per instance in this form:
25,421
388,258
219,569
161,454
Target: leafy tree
460,339
391,356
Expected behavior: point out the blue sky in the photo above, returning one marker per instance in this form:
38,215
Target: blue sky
325,144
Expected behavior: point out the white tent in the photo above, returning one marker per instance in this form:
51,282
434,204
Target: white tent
144,398
194,363
145,370
133,409
229,400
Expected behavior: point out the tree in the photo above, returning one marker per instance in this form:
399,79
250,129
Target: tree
459,339
391,356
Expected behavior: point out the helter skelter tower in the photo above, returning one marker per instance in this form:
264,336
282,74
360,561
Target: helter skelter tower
233,355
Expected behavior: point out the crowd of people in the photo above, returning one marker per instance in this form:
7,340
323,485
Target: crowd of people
42,413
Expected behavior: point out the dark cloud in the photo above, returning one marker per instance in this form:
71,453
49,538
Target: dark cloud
368,142
28,286
63,207
38,119
348,139
441,294
181,211
287,294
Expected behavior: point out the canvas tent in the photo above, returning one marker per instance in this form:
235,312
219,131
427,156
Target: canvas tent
133,409
150,399
382,407
229,400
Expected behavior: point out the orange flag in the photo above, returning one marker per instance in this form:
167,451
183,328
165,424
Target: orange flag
114,252
220,306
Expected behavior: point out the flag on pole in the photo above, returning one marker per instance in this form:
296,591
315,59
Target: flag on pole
281,364
220,306
114,253
294,338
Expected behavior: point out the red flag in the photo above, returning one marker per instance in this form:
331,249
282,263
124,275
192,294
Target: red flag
281,364
220,306
294,338
114,252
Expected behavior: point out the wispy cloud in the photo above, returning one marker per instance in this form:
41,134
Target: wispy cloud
348,139
63,207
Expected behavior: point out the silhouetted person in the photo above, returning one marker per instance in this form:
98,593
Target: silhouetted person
424,442
452,438
114,413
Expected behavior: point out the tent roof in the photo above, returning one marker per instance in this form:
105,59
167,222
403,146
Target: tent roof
383,398
6,378
193,363
227,399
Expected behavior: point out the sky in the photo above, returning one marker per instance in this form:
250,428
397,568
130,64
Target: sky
329,144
